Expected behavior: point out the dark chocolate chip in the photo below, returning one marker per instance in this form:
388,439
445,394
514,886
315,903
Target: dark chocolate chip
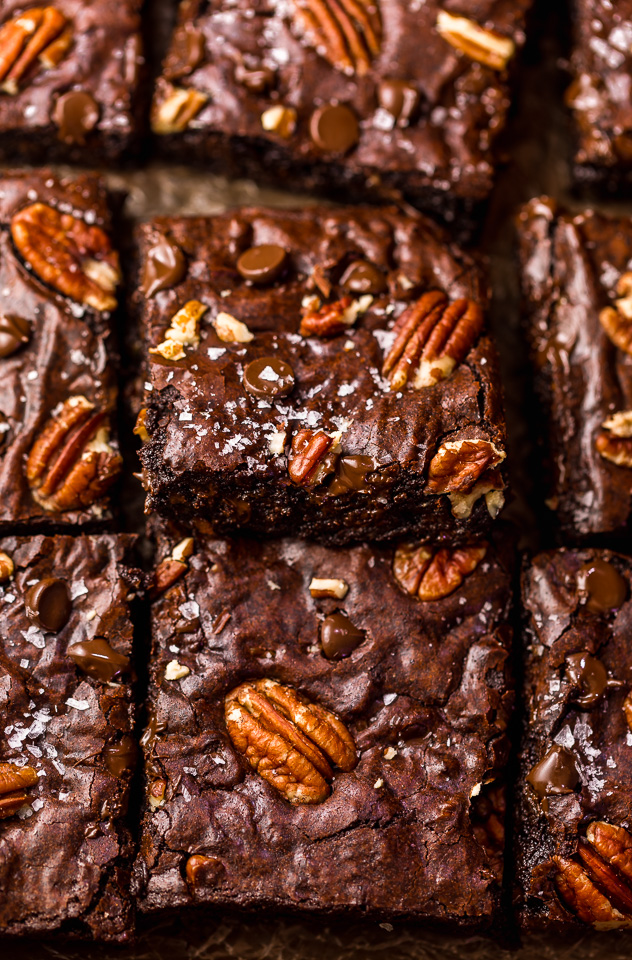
97,658
48,604
399,98
14,333
257,80
555,774
362,277
269,377
334,128
76,113
164,267
262,264
588,676
339,637
120,758
186,53
605,586
351,474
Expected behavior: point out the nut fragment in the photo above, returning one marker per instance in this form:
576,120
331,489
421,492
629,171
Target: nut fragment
280,120
71,256
614,442
599,889
175,112
140,430
176,671
618,322
487,811
290,742
72,464
309,447
459,464
171,568
482,45
201,870
40,33
432,574
6,567
156,796
328,587
333,318
231,330
347,33
14,781
184,330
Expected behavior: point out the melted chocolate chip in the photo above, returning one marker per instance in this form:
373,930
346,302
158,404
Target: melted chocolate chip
257,80
351,474
398,98
555,774
362,277
588,676
164,267
14,333
334,128
97,658
120,758
262,264
606,588
48,604
186,53
269,377
339,637
76,113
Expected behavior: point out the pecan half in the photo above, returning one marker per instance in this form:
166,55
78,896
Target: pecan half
332,318
618,322
432,337
309,448
41,33
71,256
432,574
290,742
599,888
614,442
347,33
482,45
71,463
14,781
459,464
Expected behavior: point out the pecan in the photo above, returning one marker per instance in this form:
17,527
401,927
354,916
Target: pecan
627,709
183,331
156,794
482,45
6,567
280,120
432,574
599,888
347,33
487,812
309,447
432,337
201,870
332,318
618,322
71,256
40,33
614,442
459,464
290,742
171,568
71,463
177,109
140,429
14,781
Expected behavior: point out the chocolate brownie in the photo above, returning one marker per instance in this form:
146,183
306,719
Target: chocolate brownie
58,277
70,79
321,373
577,303
67,753
315,712
574,792
354,97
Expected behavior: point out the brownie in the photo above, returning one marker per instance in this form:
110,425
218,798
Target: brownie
576,285
311,717
70,80
335,97
574,796
58,274
318,373
67,753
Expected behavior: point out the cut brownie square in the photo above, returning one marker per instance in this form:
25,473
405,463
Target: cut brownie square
574,793
66,754
334,96
318,373
577,302
69,80
58,277
316,712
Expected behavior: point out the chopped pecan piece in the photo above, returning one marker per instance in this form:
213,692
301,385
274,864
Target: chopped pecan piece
618,322
459,464
41,33
171,568
14,781
71,464
333,318
614,442
201,870
431,574
183,331
6,567
309,447
280,120
290,742
71,256
347,33
432,337
627,709
483,45
177,109
599,889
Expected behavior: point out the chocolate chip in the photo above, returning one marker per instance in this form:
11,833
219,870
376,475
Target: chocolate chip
120,758
97,658
334,128
262,264
588,676
14,333
555,774
48,604
399,98
186,53
351,474
362,277
164,267
76,113
339,637
269,377
257,80
606,588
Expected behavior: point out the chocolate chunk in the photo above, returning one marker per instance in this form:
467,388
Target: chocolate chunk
186,52
555,774
262,264
398,98
269,377
120,758
339,637
76,113
14,333
334,128
363,277
97,658
257,80
48,604
605,586
351,474
164,267
588,675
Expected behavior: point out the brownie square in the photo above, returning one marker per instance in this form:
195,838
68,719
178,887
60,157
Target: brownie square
70,78
575,275
58,276
574,792
336,97
405,702
66,754
318,373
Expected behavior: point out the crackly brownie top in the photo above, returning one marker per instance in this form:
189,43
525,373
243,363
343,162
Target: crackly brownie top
65,754
333,78
575,784
419,686
575,279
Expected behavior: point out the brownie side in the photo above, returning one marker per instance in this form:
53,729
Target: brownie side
422,687
574,803
68,713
